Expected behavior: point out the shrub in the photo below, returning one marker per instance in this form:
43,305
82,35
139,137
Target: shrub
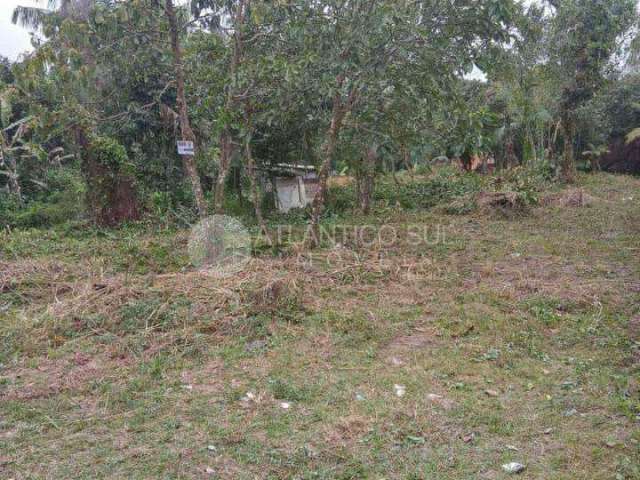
8,210
111,190
40,214
427,192
57,204
110,154
341,199
527,182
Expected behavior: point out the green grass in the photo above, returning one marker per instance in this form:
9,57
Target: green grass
514,340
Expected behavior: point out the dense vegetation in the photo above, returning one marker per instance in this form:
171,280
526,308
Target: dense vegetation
92,116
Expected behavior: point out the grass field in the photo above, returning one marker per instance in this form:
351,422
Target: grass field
498,340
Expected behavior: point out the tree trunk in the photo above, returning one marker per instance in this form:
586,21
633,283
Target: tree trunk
340,109
511,158
568,172
226,152
255,189
366,180
406,159
553,140
226,139
14,185
329,150
188,161
467,159
532,147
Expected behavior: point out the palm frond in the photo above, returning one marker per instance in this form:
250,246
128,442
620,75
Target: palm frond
37,183
18,123
33,17
29,17
633,136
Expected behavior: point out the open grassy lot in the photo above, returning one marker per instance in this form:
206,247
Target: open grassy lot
498,340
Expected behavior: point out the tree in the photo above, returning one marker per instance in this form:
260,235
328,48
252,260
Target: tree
6,76
347,51
185,125
64,84
585,36
238,12
123,35
522,90
225,83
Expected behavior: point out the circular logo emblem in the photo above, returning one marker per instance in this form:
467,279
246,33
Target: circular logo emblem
220,245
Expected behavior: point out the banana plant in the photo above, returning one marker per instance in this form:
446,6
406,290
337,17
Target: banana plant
34,17
11,142
594,154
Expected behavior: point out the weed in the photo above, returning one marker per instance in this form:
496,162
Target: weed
286,390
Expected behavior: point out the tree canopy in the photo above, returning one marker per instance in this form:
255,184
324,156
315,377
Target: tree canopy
343,85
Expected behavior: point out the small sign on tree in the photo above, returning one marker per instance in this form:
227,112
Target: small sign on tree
185,148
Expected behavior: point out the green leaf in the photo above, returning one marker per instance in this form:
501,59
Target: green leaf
633,136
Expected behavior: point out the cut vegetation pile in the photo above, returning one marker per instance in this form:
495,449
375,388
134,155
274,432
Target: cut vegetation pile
573,198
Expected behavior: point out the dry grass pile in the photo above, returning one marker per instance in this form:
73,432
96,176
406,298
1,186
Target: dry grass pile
76,301
24,273
105,297
123,304
162,308
505,203
572,198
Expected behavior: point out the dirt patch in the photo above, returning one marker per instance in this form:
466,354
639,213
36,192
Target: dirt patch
222,466
417,341
8,434
206,379
441,401
52,377
347,430
402,347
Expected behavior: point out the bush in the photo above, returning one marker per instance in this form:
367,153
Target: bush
57,204
427,192
341,199
8,210
111,189
39,214
527,182
111,154
420,192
